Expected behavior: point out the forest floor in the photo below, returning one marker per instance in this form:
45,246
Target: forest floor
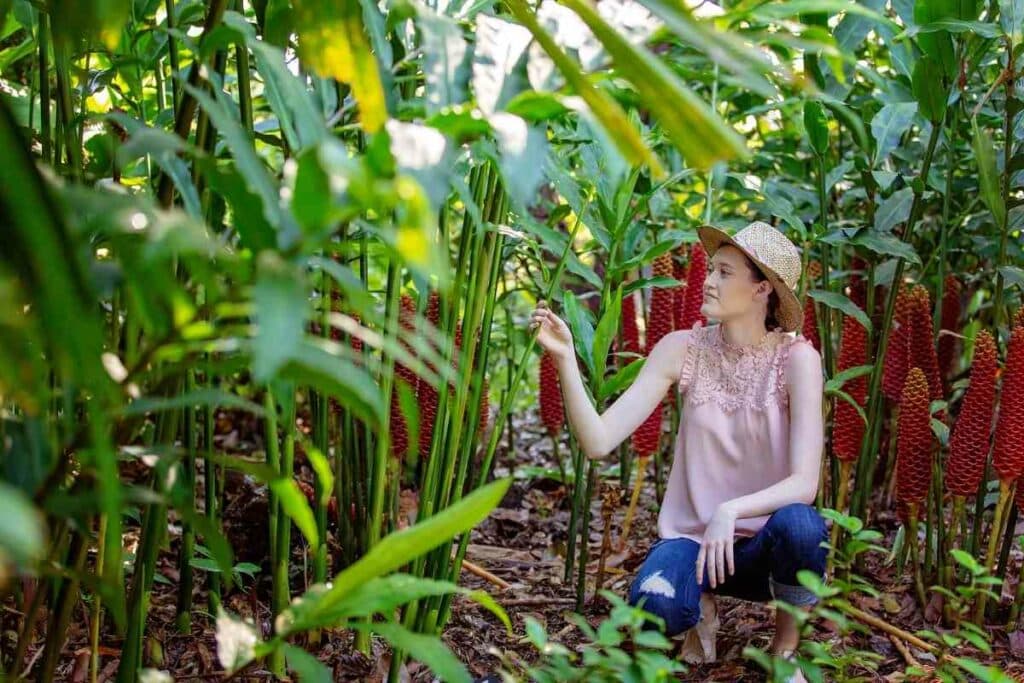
522,542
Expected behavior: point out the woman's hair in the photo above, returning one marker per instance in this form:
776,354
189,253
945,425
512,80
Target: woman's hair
770,320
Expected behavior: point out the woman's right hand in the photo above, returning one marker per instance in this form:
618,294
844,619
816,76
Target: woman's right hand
554,336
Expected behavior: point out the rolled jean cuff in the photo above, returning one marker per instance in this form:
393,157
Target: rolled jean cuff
798,596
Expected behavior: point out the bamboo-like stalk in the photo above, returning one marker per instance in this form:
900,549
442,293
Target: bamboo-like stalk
1011,622
998,302
60,617
44,88
275,518
188,535
995,533
65,110
869,446
915,554
845,467
579,462
581,579
96,617
213,583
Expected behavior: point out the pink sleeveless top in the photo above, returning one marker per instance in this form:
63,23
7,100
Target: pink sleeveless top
733,436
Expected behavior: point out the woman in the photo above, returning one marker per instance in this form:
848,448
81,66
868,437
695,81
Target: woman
737,508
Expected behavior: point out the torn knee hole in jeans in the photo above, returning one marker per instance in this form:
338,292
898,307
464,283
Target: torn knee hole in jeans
656,584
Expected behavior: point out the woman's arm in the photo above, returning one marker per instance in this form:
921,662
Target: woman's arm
806,439
600,434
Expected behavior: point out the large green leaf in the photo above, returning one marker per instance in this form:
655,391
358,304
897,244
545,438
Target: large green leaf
313,365
888,126
399,548
300,122
296,506
21,528
886,243
893,210
603,107
1011,19
499,47
988,176
605,332
427,649
929,91
697,132
842,303
445,60
333,42
282,308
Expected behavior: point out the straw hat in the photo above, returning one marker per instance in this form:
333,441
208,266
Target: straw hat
774,254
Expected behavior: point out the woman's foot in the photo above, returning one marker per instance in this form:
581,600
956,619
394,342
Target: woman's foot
699,642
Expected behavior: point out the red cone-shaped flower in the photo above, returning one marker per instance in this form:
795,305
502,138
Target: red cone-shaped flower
897,355
552,413
679,293
848,429
485,407
914,440
426,394
1008,456
858,282
661,319
403,377
922,344
1018,318
698,270
951,309
630,331
972,432
810,328
647,436
1018,497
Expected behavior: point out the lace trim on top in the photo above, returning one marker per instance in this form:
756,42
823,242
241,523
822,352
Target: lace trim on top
736,376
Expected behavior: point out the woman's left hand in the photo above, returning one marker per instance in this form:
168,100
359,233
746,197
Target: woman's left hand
716,547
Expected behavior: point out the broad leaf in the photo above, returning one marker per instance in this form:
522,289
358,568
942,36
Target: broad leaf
842,303
889,125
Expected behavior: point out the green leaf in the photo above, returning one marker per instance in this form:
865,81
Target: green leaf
697,132
21,528
988,176
401,547
843,303
620,380
816,125
295,505
882,243
894,210
888,126
929,91
445,60
214,398
333,42
352,385
605,109
281,307
1012,275
427,649
937,45
301,124
605,332
582,330
1011,19
322,469
499,47
309,668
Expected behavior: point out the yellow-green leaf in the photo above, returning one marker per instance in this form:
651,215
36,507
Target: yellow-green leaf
333,43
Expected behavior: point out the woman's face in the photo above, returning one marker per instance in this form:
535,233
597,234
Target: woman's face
730,290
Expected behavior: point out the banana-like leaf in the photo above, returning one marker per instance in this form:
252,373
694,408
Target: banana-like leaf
332,40
697,132
611,116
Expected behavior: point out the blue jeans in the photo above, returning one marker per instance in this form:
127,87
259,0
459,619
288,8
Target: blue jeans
766,566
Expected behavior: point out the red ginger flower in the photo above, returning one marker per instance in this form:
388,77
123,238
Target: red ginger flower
661,319
647,436
1008,456
922,343
897,354
858,282
552,413
914,440
1018,497
426,394
630,331
485,407
810,327
1018,318
951,309
679,293
848,427
403,376
972,432
698,270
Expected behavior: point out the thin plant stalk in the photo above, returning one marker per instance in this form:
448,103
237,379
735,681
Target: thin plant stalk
581,580
995,533
188,535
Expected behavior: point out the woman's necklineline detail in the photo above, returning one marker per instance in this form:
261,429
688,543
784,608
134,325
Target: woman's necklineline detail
735,376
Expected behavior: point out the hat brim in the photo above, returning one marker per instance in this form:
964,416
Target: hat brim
790,314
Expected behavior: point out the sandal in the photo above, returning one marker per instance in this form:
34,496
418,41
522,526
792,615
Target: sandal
699,642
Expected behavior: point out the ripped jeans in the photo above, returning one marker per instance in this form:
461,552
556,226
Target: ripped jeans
766,566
